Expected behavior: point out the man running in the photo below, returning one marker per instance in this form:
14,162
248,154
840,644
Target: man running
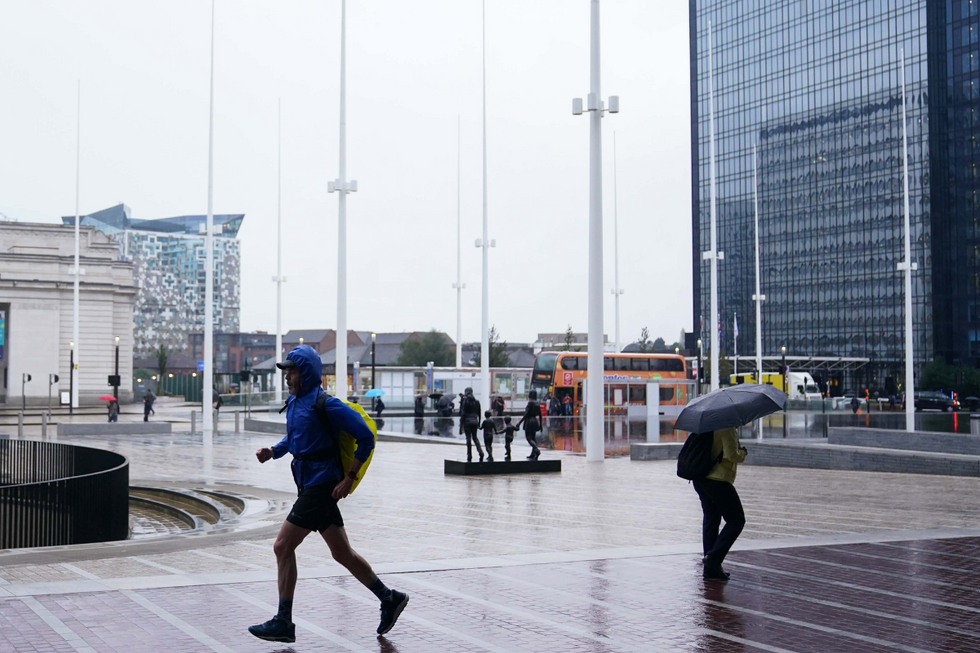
321,483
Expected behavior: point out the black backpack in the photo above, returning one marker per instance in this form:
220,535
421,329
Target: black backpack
695,461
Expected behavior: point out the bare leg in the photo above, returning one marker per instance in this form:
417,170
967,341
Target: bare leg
336,539
290,537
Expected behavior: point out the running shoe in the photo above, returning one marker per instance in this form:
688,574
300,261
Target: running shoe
274,630
390,610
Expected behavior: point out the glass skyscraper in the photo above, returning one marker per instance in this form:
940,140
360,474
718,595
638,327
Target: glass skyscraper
815,89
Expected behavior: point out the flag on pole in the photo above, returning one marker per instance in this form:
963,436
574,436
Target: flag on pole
735,324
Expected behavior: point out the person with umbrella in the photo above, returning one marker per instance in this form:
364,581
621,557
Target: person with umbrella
710,459
113,407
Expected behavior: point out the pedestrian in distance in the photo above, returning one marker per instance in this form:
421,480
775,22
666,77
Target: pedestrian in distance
489,430
113,411
379,406
216,402
855,405
567,405
498,406
148,400
469,411
314,422
532,423
420,405
720,500
508,437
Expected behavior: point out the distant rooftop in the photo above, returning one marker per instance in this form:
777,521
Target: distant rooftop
117,218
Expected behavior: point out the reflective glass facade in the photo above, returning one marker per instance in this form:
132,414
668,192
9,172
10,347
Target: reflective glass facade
815,87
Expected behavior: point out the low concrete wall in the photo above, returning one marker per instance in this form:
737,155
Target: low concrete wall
279,428
263,426
915,440
817,454
820,455
655,450
114,428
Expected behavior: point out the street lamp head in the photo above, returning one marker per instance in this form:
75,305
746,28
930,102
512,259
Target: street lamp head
374,336
193,373
699,343
171,375
117,340
784,350
301,339
154,377
677,350
71,345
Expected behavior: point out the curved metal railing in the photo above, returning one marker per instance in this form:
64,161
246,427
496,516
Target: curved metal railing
53,494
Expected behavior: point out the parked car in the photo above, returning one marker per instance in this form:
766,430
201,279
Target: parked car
934,400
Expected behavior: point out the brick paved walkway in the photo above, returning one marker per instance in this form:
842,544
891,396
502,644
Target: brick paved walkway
598,558
919,595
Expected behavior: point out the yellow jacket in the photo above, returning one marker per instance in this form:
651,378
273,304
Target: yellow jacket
725,442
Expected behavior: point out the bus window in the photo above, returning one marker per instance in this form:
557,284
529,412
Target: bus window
638,394
640,364
608,363
622,363
666,365
569,363
666,394
545,363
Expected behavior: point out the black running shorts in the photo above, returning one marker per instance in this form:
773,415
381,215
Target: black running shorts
315,508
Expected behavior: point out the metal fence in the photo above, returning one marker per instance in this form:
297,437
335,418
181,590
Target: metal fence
53,494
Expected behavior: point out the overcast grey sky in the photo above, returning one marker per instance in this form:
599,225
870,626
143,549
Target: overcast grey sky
413,66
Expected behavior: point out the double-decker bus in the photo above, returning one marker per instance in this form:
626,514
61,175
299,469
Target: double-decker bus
625,380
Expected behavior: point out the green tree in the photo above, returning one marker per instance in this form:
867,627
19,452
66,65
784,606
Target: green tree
937,375
659,345
162,355
498,351
431,347
569,339
644,344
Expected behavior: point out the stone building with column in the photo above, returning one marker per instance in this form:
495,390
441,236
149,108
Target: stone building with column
36,313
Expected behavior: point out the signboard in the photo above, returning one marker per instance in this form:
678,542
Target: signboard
65,397
567,378
200,366
3,331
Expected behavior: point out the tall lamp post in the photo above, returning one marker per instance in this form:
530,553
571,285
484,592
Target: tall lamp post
713,255
115,385
594,428
459,285
277,378
208,386
342,187
782,369
697,380
616,291
74,387
907,266
374,338
71,378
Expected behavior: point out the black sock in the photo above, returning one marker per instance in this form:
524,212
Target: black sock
380,590
286,610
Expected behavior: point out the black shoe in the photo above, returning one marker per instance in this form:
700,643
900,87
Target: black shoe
481,457
489,459
390,610
715,572
506,459
274,630
469,459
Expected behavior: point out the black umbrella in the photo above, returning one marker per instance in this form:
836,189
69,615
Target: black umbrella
730,407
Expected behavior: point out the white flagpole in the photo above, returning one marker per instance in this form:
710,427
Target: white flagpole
277,376
75,294
343,188
459,254
485,244
713,254
907,266
758,297
595,416
209,265
617,291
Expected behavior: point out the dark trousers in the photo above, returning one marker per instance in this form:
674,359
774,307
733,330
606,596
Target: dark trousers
471,439
507,440
488,440
146,412
719,500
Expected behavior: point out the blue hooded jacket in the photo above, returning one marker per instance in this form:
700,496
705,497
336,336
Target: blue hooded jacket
306,434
